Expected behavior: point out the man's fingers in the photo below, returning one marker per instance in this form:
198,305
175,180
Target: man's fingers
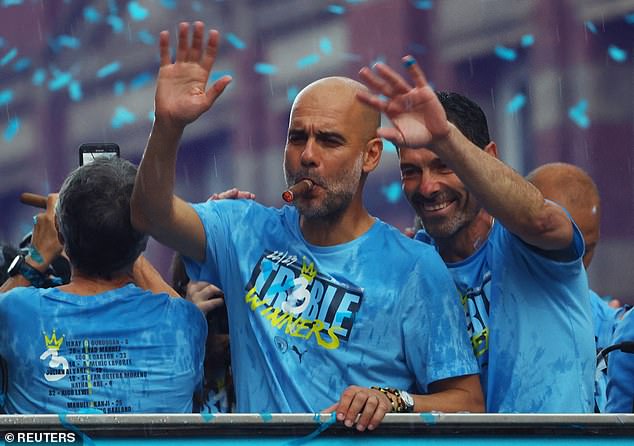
374,82
379,414
369,408
211,49
414,71
183,42
51,201
330,409
355,408
372,100
196,49
344,402
164,45
217,88
391,134
209,305
395,80
195,286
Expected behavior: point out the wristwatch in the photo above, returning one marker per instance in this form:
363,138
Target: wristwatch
408,401
19,266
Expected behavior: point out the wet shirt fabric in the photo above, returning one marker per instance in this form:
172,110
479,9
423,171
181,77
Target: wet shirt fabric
620,388
530,325
123,351
307,321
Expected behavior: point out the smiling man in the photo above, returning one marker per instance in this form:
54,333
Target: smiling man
515,257
324,300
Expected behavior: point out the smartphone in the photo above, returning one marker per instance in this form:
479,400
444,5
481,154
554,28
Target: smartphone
91,151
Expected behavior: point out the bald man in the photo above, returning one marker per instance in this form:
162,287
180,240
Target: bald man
324,300
573,189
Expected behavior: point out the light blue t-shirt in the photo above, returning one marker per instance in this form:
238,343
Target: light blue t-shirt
603,319
307,321
620,389
123,351
530,325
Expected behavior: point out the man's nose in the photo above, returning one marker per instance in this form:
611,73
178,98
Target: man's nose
310,154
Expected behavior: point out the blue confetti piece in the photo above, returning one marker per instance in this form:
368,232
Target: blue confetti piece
307,61
7,3
265,68
39,76
516,103
109,69
428,418
266,417
116,23
590,26
122,116
527,40
22,64
207,417
388,146
141,80
169,4
74,91
13,127
629,19
617,53
336,9
68,41
505,53
218,74
112,7
92,15
137,11
59,81
578,115
119,88
423,4
235,41
392,192
6,96
291,93
325,45
197,6
146,37
8,57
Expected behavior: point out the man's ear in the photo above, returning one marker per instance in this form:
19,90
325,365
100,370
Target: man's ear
492,149
372,154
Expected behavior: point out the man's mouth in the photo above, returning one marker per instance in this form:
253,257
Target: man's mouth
434,207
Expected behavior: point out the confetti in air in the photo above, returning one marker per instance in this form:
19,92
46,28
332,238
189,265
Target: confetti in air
8,57
235,41
109,69
92,15
423,4
527,40
60,80
325,45
115,23
265,68
74,91
516,104
307,61
291,93
137,11
13,127
505,53
392,192
22,64
39,76
617,53
6,96
146,37
578,115
590,26
336,9
122,117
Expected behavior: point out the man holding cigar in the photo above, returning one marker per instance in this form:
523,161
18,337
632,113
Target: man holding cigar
514,256
324,300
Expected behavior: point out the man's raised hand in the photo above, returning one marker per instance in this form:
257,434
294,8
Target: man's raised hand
416,113
181,90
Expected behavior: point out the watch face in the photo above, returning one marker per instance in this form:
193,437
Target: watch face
407,399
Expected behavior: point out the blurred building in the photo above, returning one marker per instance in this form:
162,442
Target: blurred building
555,78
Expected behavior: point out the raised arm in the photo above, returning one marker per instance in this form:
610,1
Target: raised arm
181,97
419,121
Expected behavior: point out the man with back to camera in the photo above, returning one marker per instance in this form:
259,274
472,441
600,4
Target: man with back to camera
320,306
112,340
573,189
515,257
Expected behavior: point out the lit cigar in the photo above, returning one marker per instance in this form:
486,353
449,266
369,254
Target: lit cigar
297,189
38,201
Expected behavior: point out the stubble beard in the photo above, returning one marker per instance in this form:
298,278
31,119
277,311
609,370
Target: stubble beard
338,192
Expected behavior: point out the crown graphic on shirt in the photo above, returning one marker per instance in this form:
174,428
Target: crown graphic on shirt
53,343
309,272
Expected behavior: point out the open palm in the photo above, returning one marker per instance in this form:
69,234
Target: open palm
416,114
181,94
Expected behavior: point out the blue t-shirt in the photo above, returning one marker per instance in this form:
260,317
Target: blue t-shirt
603,319
530,325
620,389
307,321
125,350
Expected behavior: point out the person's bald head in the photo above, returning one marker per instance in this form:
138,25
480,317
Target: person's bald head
572,188
338,93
